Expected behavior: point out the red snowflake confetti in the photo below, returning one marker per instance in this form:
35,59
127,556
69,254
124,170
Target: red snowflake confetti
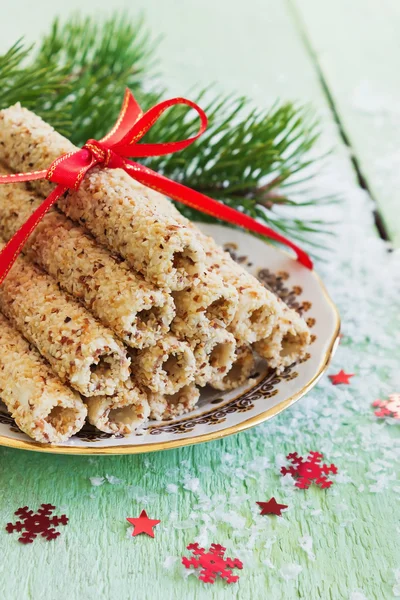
143,524
271,507
309,471
212,563
388,408
34,523
341,377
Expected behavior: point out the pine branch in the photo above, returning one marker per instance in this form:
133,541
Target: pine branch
253,160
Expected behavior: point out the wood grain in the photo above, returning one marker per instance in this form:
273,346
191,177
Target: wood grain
357,46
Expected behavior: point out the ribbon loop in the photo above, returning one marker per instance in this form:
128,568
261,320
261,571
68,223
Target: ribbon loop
112,152
129,147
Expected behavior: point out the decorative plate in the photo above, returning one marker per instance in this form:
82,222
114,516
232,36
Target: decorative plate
263,396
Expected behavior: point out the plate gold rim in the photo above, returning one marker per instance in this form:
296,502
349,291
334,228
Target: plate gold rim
205,437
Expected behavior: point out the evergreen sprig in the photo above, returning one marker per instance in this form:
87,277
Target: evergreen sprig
250,159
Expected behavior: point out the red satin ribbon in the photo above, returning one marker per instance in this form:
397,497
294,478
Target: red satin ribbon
112,152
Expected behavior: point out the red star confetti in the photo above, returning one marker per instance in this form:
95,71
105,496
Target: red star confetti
388,408
212,563
143,524
341,377
37,523
309,471
271,507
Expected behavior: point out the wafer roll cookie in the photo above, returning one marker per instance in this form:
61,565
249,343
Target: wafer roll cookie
288,341
214,355
80,350
166,367
163,406
122,413
258,310
164,251
238,374
197,307
138,312
42,407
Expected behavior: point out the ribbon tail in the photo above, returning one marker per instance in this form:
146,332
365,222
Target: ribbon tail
19,177
14,246
209,206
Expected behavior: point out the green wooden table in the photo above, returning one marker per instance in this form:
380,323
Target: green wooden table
339,544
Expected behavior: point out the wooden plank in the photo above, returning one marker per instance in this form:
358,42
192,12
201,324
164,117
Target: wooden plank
357,45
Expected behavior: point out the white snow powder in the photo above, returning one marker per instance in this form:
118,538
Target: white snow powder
290,571
169,562
96,481
306,543
171,488
191,484
113,480
358,595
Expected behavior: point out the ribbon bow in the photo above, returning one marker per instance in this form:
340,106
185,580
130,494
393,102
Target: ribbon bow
112,152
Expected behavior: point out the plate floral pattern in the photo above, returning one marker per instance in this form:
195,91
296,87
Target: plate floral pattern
264,395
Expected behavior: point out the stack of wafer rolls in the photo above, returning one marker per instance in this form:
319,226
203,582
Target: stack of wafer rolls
126,302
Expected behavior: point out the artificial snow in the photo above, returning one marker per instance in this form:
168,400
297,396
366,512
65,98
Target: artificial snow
357,595
396,587
169,562
191,484
113,480
171,488
96,481
306,543
290,571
